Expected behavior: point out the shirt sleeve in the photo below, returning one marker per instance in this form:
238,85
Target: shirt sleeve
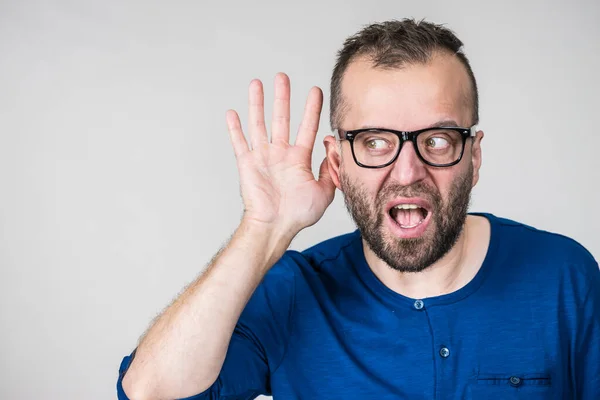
587,373
258,342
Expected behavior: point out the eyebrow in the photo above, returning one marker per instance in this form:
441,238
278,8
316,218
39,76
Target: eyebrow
448,122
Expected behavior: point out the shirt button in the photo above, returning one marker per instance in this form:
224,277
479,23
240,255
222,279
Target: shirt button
419,304
515,381
444,352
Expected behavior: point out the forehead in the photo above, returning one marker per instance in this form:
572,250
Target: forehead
408,98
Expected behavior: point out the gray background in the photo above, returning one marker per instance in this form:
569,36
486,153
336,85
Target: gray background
118,183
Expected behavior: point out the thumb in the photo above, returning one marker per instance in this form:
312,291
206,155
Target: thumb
325,180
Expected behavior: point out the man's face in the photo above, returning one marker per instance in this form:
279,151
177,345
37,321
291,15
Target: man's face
407,99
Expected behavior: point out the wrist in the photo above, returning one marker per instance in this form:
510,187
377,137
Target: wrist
274,238
276,230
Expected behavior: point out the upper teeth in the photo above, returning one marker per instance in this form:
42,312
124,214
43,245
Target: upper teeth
406,206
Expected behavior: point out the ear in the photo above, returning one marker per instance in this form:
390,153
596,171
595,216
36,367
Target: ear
476,156
334,159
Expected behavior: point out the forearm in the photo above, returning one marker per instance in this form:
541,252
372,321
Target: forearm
183,352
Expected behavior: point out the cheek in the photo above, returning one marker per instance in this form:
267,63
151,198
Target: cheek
367,181
373,182
452,181
443,180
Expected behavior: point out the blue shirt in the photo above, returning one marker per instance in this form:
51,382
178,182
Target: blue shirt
322,326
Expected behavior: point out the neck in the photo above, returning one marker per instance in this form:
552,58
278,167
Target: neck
448,274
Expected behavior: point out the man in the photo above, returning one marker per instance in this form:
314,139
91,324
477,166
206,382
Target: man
423,301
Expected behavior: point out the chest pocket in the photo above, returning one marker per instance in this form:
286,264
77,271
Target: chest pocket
511,387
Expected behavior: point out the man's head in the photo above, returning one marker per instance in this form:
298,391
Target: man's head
404,76
393,45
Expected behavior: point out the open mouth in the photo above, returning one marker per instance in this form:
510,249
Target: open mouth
408,216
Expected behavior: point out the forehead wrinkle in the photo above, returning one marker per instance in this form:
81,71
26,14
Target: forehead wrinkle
448,123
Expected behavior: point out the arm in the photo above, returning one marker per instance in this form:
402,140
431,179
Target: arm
184,351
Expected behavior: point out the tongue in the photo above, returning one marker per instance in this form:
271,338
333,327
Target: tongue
410,217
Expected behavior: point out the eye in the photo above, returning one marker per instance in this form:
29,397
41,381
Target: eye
377,144
436,142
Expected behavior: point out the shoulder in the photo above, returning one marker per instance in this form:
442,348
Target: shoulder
333,249
315,258
525,245
307,268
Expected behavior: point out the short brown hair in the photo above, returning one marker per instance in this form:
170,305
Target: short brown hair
393,44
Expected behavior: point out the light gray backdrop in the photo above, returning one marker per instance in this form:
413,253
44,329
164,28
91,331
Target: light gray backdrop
118,183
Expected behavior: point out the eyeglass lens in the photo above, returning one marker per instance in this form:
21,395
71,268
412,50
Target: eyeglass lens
377,148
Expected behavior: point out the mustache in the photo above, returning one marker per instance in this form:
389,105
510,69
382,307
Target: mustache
419,189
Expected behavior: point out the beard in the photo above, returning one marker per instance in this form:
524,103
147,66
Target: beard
410,254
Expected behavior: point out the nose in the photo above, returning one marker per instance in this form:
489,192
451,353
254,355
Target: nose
408,167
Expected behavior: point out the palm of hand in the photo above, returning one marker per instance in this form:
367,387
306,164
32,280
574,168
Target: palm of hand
276,179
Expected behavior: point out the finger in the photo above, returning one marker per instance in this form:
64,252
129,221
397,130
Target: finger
280,123
256,114
310,121
238,141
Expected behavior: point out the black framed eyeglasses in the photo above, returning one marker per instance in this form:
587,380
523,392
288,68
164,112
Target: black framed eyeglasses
379,147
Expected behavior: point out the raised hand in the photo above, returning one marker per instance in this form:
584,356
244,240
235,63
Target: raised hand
276,179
